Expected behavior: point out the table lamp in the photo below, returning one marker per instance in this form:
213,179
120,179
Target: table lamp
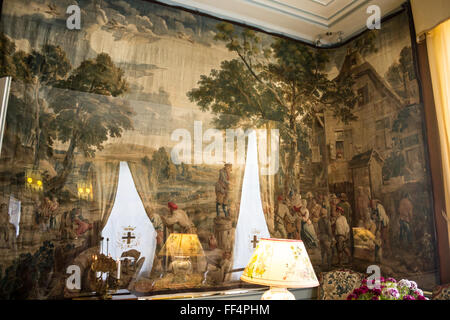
280,264
182,246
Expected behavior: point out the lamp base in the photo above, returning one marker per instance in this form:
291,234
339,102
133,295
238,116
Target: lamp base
181,267
277,293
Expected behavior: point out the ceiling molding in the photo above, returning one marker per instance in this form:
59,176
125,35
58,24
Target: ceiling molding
303,20
342,9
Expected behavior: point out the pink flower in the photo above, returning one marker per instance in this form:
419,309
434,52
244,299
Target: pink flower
421,298
391,280
418,292
375,298
404,283
352,296
364,289
377,292
408,297
394,293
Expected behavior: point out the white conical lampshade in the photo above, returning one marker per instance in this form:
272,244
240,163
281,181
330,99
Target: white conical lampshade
280,263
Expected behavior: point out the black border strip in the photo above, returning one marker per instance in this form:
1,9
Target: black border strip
414,48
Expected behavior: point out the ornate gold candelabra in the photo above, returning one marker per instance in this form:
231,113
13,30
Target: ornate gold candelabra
103,268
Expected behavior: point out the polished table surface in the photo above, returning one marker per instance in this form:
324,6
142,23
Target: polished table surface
233,294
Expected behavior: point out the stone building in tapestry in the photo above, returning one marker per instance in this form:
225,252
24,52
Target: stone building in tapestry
357,151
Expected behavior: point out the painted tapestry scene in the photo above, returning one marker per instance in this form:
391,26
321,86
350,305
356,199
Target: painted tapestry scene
151,149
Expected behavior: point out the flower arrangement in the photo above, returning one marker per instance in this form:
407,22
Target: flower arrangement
388,289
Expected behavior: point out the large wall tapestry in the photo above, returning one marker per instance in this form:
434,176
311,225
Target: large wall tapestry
133,148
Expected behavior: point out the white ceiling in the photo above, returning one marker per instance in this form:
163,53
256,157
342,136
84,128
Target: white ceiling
299,19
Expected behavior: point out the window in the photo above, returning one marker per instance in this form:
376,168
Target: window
340,149
363,95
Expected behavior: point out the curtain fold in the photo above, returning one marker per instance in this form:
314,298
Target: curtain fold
438,43
141,177
251,221
107,177
267,151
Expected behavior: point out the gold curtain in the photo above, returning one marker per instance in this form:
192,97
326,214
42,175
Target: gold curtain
106,180
141,177
438,43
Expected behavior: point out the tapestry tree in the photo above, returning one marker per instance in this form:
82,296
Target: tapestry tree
400,73
44,68
38,71
7,50
399,76
285,82
162,169
86,114
32,73
58,103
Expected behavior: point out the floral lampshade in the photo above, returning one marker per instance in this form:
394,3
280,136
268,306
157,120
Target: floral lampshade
183,245
280,263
